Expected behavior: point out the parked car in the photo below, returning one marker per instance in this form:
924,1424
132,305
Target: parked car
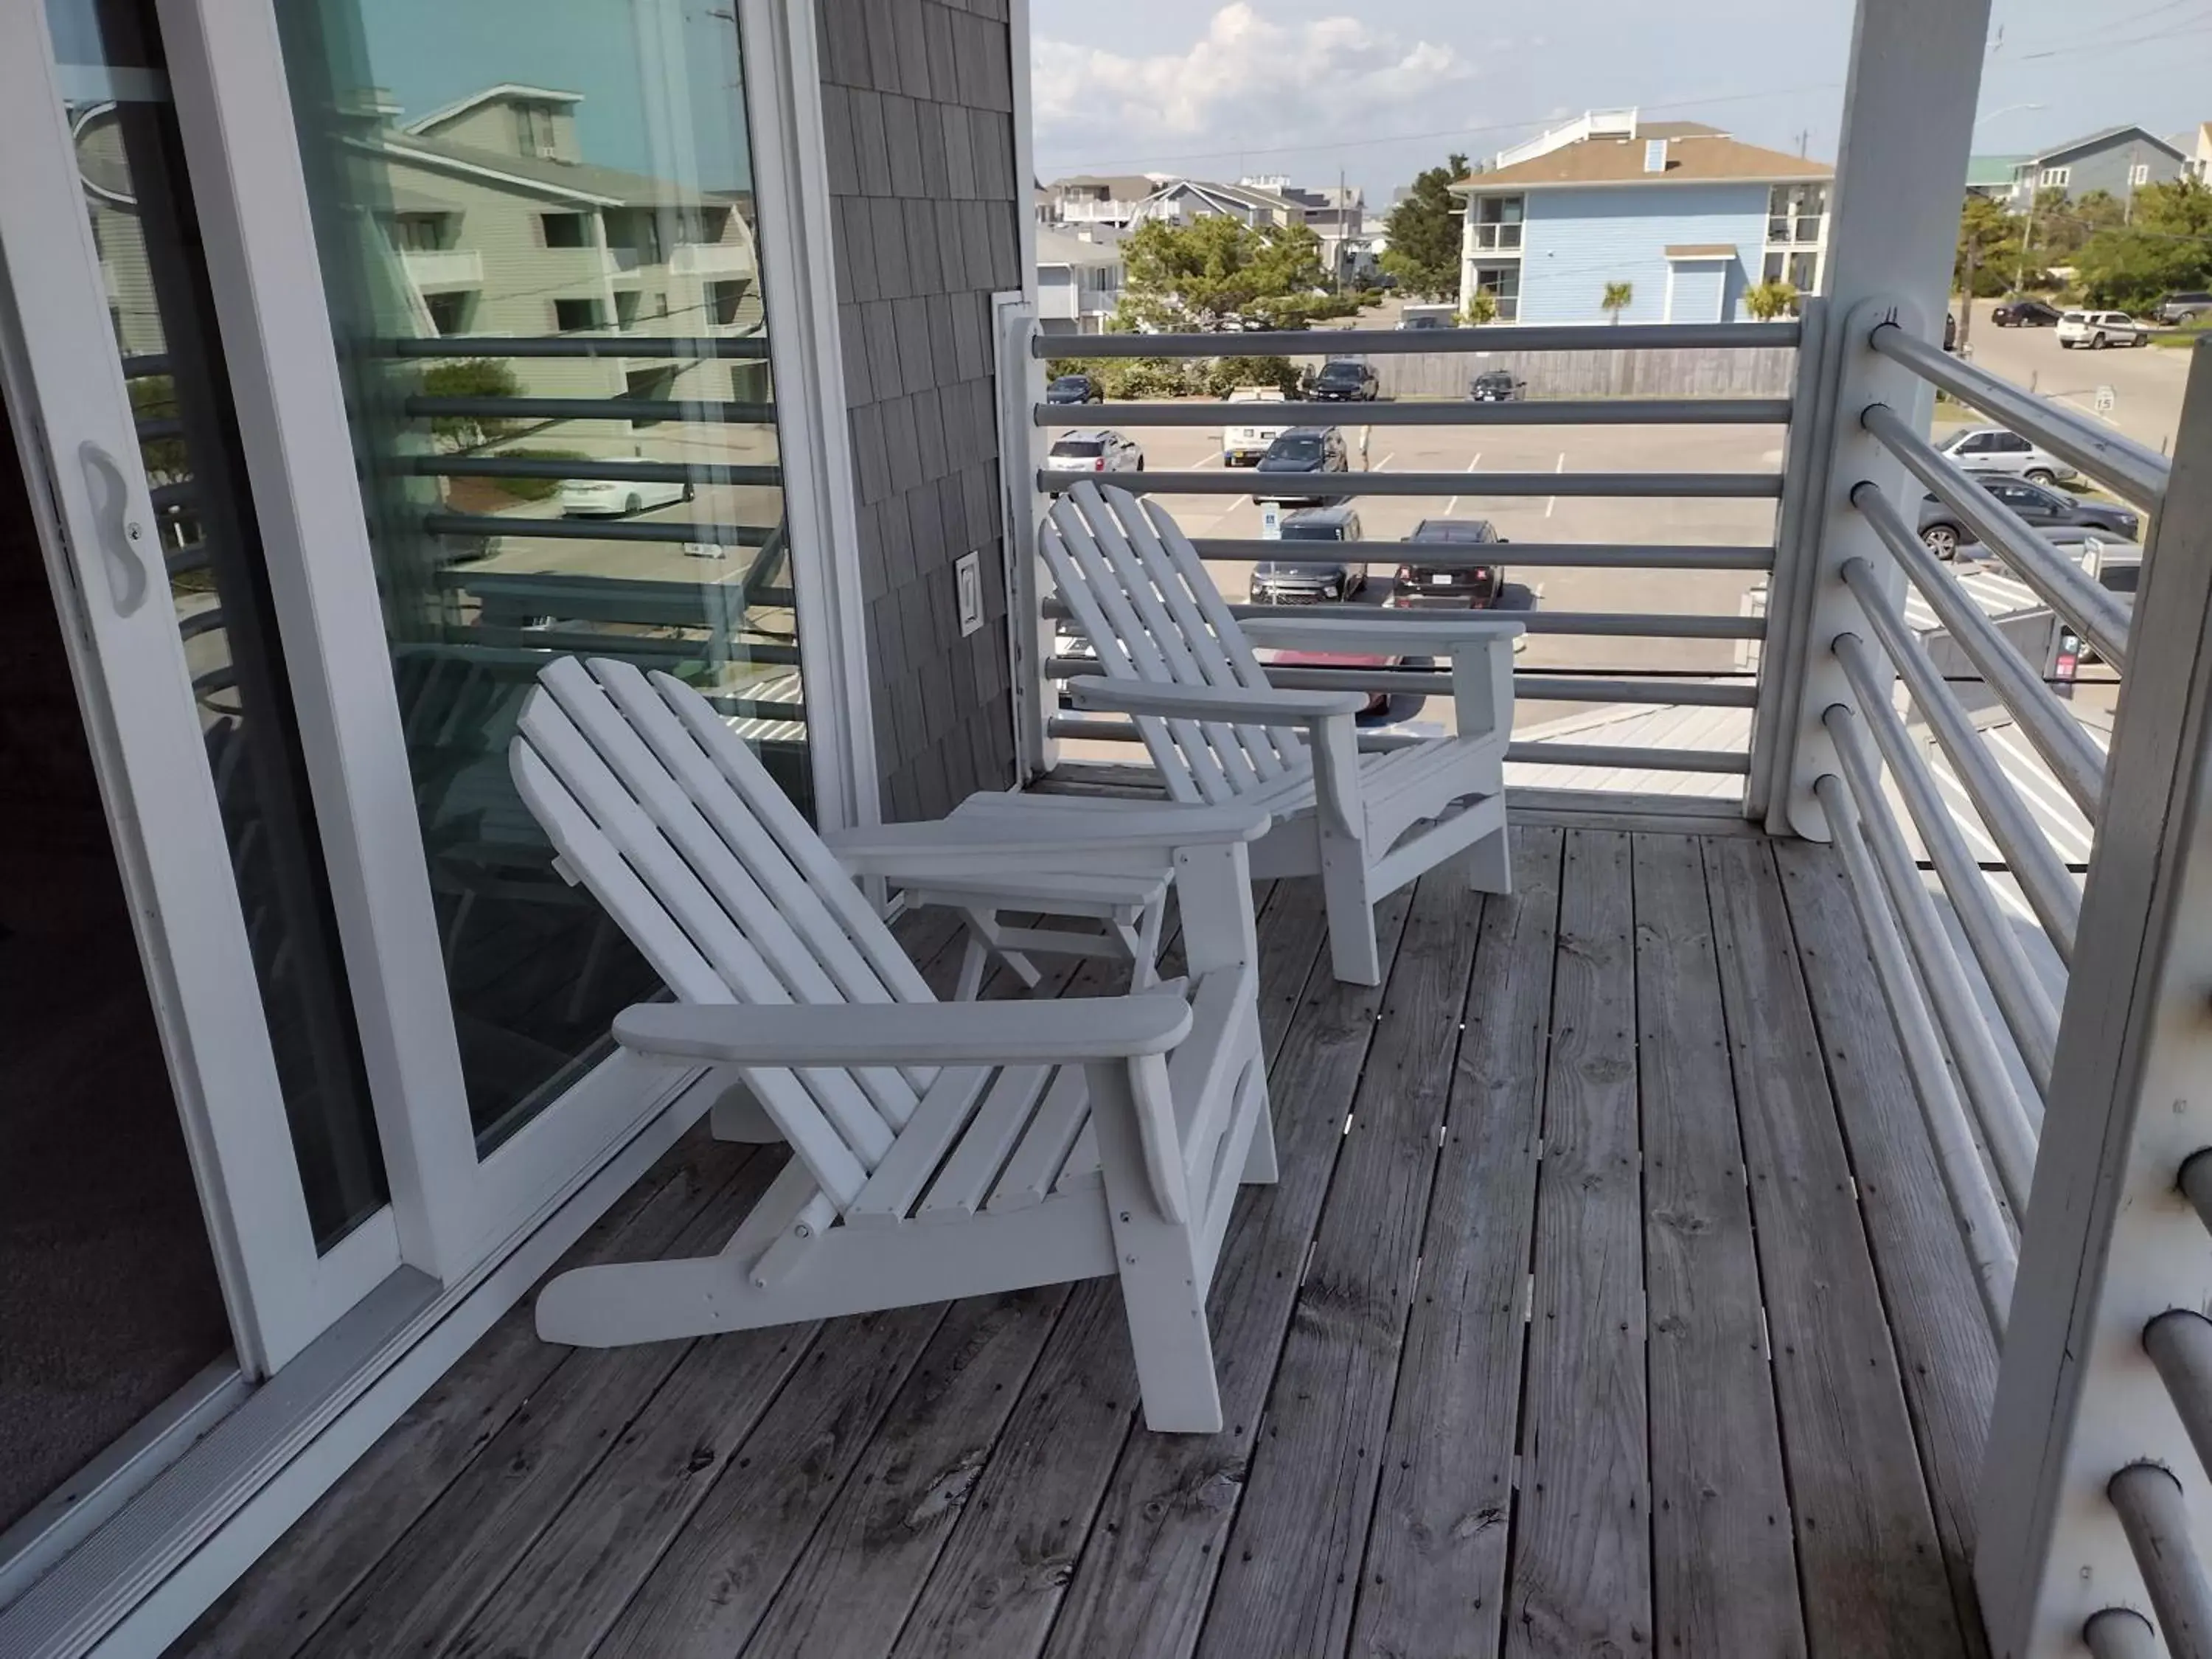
1496,386
1944,533
1243,446
2024,313
1344,380
1276,581
1095,450
1383,707
1435,586
2184,306
1075,389
1296,462
609,498
1993,449
2099,329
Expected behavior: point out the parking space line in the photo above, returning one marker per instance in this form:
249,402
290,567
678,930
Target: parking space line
1471,465
1550,502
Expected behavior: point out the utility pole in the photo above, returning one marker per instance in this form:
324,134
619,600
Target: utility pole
2028,237
1966,306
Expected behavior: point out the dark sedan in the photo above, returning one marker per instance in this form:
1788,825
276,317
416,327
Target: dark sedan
2025,313
2043,506
1345,381
1304,452
1075,389
1455,585
1496,386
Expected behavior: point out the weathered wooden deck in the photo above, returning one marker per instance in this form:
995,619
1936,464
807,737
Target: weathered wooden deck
1609,1305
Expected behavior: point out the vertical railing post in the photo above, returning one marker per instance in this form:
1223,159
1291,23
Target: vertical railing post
2111,1241
1893,227
1020,388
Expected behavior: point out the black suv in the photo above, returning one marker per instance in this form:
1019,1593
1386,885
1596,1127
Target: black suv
2040,505
1281,581
1304,451
1075,389
1496,386
1464,586
1344,381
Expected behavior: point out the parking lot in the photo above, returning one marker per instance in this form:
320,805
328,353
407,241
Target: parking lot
1523,520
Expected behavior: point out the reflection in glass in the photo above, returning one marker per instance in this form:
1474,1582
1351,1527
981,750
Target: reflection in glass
536,224
131,163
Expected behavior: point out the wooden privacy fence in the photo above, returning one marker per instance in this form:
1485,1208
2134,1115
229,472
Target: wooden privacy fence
1663,372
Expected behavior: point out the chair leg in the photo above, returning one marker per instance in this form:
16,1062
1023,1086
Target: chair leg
1490,863
1352,952
1259,1166
1162,1292
974,958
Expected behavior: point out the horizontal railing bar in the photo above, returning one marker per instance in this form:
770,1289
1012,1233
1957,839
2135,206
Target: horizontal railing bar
1686,486
597,530
2105,455
1973,1206
1101,729
2196,1183
1529,685
632,409
1533,556
2020,994
2179,1343
144,368
524,466
2034,861
750,347
209,620
1407,342
2155,1518
2069,590
162,497
154,427
179,560
1609,624
2008,1127
1520,411
2058,736
584,641
750,708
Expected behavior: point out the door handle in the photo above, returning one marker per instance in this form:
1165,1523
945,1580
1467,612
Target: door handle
122,538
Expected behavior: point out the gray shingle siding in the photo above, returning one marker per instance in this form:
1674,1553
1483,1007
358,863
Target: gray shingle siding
917,106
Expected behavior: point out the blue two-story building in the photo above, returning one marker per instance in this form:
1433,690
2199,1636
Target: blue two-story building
1673,221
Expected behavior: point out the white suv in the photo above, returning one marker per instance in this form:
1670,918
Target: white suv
2099,329
1993,449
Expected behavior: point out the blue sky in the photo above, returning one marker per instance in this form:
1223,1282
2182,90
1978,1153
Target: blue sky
430,52
1307,87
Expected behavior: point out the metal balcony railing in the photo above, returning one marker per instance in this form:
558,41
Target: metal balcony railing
1740,688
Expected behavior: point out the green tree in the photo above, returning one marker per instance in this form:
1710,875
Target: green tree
1767,301
1618,296
2166,244
1987,260
1185,278
1424,248
469,377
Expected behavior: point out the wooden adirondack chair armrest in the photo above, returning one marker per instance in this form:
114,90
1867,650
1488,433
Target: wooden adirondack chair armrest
1235,705
990,833
907,1033
1385,632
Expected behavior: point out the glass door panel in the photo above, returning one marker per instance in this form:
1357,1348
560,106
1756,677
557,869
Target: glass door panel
537,241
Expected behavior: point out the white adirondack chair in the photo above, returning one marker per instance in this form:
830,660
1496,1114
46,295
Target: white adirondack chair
940,1149
1175,658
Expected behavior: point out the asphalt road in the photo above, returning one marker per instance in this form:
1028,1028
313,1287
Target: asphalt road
2146,381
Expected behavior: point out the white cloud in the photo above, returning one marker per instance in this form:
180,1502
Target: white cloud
1246,81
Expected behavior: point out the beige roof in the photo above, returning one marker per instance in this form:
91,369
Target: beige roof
1694,154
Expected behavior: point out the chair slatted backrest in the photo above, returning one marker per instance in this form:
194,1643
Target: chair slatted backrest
685,840
1139,592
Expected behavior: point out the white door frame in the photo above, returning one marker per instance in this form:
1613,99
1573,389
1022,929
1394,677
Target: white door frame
78,440
450,1206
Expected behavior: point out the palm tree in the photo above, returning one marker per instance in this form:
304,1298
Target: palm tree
1767,301
1618,296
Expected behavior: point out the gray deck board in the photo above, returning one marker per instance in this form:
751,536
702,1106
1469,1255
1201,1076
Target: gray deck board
1657,1075
1582,1558
1437,1553
1947,1350
1724,1576
1289,1577
1869,1559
